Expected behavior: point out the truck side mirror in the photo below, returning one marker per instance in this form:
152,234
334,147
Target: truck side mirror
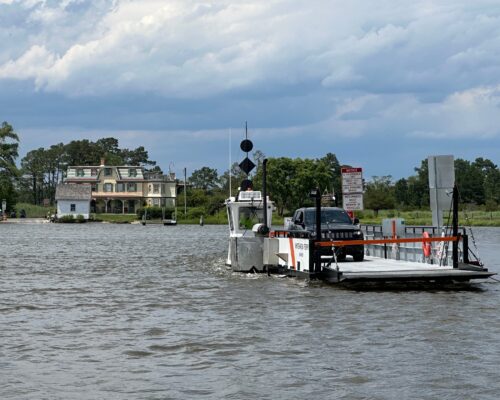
356,221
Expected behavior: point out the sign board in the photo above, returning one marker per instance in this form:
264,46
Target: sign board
352,188
353,202
352,180
441,182
4,205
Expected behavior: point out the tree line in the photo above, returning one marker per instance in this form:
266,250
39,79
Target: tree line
289,180
42,169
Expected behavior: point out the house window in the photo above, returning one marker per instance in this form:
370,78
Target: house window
72,207
156,188
132,172
108,171
108,187
94,187
120,187
93,172
80,172
156,202
131,187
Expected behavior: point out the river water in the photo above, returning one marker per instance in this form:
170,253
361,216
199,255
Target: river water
99,311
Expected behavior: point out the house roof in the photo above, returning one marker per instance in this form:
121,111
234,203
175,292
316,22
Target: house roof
66,191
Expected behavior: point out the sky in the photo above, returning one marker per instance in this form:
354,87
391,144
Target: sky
381,84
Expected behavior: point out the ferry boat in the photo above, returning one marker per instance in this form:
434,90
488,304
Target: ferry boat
414,254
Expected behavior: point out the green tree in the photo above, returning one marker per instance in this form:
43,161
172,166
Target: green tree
237,176
138,156
9,143
379,194
290,181
205,178
335,171
34,167
470,182
401,192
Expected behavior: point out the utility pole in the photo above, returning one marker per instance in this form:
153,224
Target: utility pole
185,200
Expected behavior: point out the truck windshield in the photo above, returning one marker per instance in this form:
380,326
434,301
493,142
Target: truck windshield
328,217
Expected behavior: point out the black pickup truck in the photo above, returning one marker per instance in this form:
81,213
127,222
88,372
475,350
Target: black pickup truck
335,225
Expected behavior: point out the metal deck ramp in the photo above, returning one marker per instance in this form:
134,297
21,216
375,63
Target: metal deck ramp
378,269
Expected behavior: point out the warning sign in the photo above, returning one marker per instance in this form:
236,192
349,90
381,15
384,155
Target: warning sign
352,188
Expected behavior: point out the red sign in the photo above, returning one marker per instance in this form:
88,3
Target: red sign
350,170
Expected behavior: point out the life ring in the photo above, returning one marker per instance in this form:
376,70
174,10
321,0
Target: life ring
426,246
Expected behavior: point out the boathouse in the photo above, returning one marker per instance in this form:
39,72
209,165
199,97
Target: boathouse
73,200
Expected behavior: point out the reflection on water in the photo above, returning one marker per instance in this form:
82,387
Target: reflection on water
130,312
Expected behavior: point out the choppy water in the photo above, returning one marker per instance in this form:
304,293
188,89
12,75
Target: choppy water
98,311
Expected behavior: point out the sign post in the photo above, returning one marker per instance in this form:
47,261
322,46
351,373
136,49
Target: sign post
3,214
352,189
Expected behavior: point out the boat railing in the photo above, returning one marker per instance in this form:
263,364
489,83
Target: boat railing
376,230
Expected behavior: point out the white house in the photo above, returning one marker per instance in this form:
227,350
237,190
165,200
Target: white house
73,200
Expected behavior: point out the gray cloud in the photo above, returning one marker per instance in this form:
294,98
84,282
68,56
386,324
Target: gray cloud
333,69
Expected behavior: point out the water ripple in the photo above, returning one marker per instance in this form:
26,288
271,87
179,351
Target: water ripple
125,311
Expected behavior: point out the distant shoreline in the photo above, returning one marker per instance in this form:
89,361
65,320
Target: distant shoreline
483,224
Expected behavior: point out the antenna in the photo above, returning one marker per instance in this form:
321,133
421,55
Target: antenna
230,178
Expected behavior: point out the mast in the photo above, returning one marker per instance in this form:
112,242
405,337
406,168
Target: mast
230,183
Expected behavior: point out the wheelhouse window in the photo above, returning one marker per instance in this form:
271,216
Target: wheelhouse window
132,172
131,187
249,216
80,172
108,187
108,171
72,207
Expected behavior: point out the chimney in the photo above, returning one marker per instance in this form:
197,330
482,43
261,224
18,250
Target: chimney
103,160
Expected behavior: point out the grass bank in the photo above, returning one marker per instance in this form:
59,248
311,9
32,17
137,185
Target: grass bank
424,217
33,211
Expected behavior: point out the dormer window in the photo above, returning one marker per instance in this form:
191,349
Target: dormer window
80,172
93,172
132,172
108,171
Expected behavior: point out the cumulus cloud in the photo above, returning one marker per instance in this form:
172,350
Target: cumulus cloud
190,48
410,68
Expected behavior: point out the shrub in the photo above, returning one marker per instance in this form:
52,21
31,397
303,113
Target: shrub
195,212
66,219
80,218
151,212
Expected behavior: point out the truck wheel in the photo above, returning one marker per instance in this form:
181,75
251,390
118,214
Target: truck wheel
341,257
359,256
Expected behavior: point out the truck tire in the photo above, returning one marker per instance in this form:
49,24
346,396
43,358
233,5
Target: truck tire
359,256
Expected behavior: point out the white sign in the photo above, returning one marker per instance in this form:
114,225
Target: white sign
352,180
353,202
352,188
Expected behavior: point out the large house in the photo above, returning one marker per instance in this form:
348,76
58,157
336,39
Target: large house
123,189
